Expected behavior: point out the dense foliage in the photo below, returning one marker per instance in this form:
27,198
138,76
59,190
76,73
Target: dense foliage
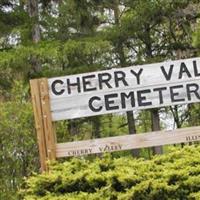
46,38
175,175
17,142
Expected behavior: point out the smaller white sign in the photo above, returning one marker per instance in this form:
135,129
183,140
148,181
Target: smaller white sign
127,142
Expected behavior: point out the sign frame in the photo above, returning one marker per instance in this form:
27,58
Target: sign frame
49,149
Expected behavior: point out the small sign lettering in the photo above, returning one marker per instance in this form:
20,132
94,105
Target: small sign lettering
193,138
79,152
109,148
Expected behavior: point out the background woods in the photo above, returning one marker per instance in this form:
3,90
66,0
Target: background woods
46,38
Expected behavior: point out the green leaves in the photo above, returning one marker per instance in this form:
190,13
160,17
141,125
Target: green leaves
87,54
18,149
196,36
170,176
73,56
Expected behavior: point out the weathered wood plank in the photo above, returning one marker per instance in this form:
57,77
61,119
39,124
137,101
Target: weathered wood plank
35,94
125,89
151,74
112,102
127,142
47,120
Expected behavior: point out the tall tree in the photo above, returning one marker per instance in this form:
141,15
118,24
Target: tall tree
33,11
52,38
119,48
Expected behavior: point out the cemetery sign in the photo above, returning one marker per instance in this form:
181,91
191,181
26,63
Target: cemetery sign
111,91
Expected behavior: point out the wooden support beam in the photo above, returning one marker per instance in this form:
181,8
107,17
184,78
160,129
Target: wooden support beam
49,128
127,142
37,109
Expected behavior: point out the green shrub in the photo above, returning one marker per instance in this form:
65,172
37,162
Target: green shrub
18,147
175,175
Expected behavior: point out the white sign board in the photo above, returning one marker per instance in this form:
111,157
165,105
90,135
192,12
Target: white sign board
127,142
124,89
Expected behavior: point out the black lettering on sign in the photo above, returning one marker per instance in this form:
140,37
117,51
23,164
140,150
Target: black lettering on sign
193,138
174,95
142,99
137,74
125,96
196,72
87,83
192,88
75,84
160,90
109,102
110,148
104,79
168,74
91,105
79,152
184,69
53,87
120,77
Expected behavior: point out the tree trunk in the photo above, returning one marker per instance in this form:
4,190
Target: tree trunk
155,120
73,127
33,11
96,127
177,120
132,130
122,59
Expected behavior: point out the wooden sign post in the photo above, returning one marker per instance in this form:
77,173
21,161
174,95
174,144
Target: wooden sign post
111,91
43,121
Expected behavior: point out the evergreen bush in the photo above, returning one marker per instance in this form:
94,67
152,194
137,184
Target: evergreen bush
175,176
